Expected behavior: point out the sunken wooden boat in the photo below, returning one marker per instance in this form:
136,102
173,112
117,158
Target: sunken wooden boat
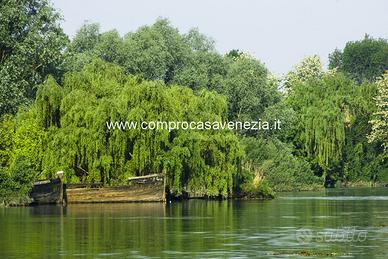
149,188
48,191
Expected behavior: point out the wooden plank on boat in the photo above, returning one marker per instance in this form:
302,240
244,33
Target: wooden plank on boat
146,179
132,193
84,185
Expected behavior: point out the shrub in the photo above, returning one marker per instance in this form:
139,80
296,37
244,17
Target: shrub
16,183
257,190
273,161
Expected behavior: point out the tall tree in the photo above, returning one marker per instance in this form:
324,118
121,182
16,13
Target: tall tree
155,51
248,88
90,43
320,103
365,59
31,45
332,123
86,38
198,41
309,68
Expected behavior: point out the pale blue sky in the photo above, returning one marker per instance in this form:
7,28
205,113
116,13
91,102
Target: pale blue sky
278,32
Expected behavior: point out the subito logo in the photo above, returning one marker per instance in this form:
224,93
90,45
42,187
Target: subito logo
304,235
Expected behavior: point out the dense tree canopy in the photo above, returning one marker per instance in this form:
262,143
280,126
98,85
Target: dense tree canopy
323,114
332,124
272,160
31,45
366,59
75,115
56,98
248,89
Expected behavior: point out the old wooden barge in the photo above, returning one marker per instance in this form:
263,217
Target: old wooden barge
149,188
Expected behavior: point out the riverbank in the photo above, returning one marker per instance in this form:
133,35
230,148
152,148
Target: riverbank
150,188
362,184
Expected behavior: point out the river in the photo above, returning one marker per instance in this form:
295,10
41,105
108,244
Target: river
348,223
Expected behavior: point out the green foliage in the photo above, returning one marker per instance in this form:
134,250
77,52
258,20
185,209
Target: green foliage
325,121
362,160
109,47
203,70
321,102
273,161
234,54
155,52
286,115
23,174
16,182
31,45
332,124
362,60
380,117
28,138
48,98
325,115
203,66
81,144
90,43
309,68
324,111
160,52
248,89
86,38
198,41
260,190
7,131
21,137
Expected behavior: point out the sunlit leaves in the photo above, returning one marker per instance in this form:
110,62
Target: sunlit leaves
194,161
380,118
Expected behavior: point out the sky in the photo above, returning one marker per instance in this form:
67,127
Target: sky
277,32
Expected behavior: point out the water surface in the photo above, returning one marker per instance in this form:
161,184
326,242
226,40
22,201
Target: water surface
350,223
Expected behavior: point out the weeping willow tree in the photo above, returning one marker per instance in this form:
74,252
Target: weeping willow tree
324,114
49,98
324,104
331,126
78,140
324,134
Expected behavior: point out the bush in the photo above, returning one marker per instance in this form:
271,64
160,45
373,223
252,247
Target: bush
259,190
16,183
283,171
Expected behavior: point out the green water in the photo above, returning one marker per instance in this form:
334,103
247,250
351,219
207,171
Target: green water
349,223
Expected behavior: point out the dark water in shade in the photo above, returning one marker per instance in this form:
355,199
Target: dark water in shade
349,223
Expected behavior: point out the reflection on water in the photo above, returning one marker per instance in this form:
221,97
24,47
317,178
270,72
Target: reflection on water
343,223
